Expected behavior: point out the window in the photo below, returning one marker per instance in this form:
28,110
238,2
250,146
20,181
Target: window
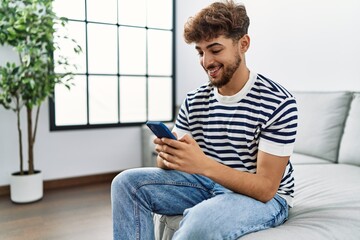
125,74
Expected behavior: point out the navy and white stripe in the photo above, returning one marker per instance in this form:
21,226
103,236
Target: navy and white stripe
264,118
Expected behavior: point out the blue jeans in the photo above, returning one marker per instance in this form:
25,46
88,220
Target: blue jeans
210,210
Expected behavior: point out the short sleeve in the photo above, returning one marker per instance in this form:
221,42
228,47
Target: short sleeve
279,134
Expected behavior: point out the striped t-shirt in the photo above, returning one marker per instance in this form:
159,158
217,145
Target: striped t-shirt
231,129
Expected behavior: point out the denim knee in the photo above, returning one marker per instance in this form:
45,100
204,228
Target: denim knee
123,182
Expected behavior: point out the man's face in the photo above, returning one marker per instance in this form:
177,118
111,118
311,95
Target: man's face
220,59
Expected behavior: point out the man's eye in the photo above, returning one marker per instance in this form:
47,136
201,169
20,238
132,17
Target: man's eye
216,51
200,54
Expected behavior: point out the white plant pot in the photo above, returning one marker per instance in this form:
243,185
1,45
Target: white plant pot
26,188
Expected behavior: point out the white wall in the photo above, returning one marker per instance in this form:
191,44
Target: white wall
304,45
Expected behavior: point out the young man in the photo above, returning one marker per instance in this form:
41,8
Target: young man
229,172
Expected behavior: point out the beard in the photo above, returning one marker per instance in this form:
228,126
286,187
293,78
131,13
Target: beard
228,73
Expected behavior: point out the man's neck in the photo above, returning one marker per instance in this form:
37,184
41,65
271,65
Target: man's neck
236,83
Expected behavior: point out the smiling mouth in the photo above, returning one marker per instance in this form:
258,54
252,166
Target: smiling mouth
214,71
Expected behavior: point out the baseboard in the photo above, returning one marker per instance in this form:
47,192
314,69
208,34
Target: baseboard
5,190
69,182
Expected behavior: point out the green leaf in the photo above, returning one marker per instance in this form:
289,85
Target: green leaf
11,31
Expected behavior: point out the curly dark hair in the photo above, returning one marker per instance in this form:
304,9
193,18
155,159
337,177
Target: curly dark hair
220,18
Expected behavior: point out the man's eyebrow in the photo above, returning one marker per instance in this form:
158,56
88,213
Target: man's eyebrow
209,46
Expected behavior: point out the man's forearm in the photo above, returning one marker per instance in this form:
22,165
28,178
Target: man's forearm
249,184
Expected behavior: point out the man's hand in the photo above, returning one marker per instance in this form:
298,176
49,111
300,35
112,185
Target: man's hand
183,154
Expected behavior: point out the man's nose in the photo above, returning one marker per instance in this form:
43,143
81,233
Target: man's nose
207,60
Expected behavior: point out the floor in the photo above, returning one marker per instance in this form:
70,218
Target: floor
63,214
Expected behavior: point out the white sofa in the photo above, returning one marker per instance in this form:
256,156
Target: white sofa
327,173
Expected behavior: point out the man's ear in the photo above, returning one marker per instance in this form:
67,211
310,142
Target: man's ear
244,43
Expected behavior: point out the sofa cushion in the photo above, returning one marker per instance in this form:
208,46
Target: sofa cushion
321,120
165,226
298,158
350,143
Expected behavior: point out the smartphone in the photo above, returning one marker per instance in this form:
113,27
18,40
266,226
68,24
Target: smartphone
160,129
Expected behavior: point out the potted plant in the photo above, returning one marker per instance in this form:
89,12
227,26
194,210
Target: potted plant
29,26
